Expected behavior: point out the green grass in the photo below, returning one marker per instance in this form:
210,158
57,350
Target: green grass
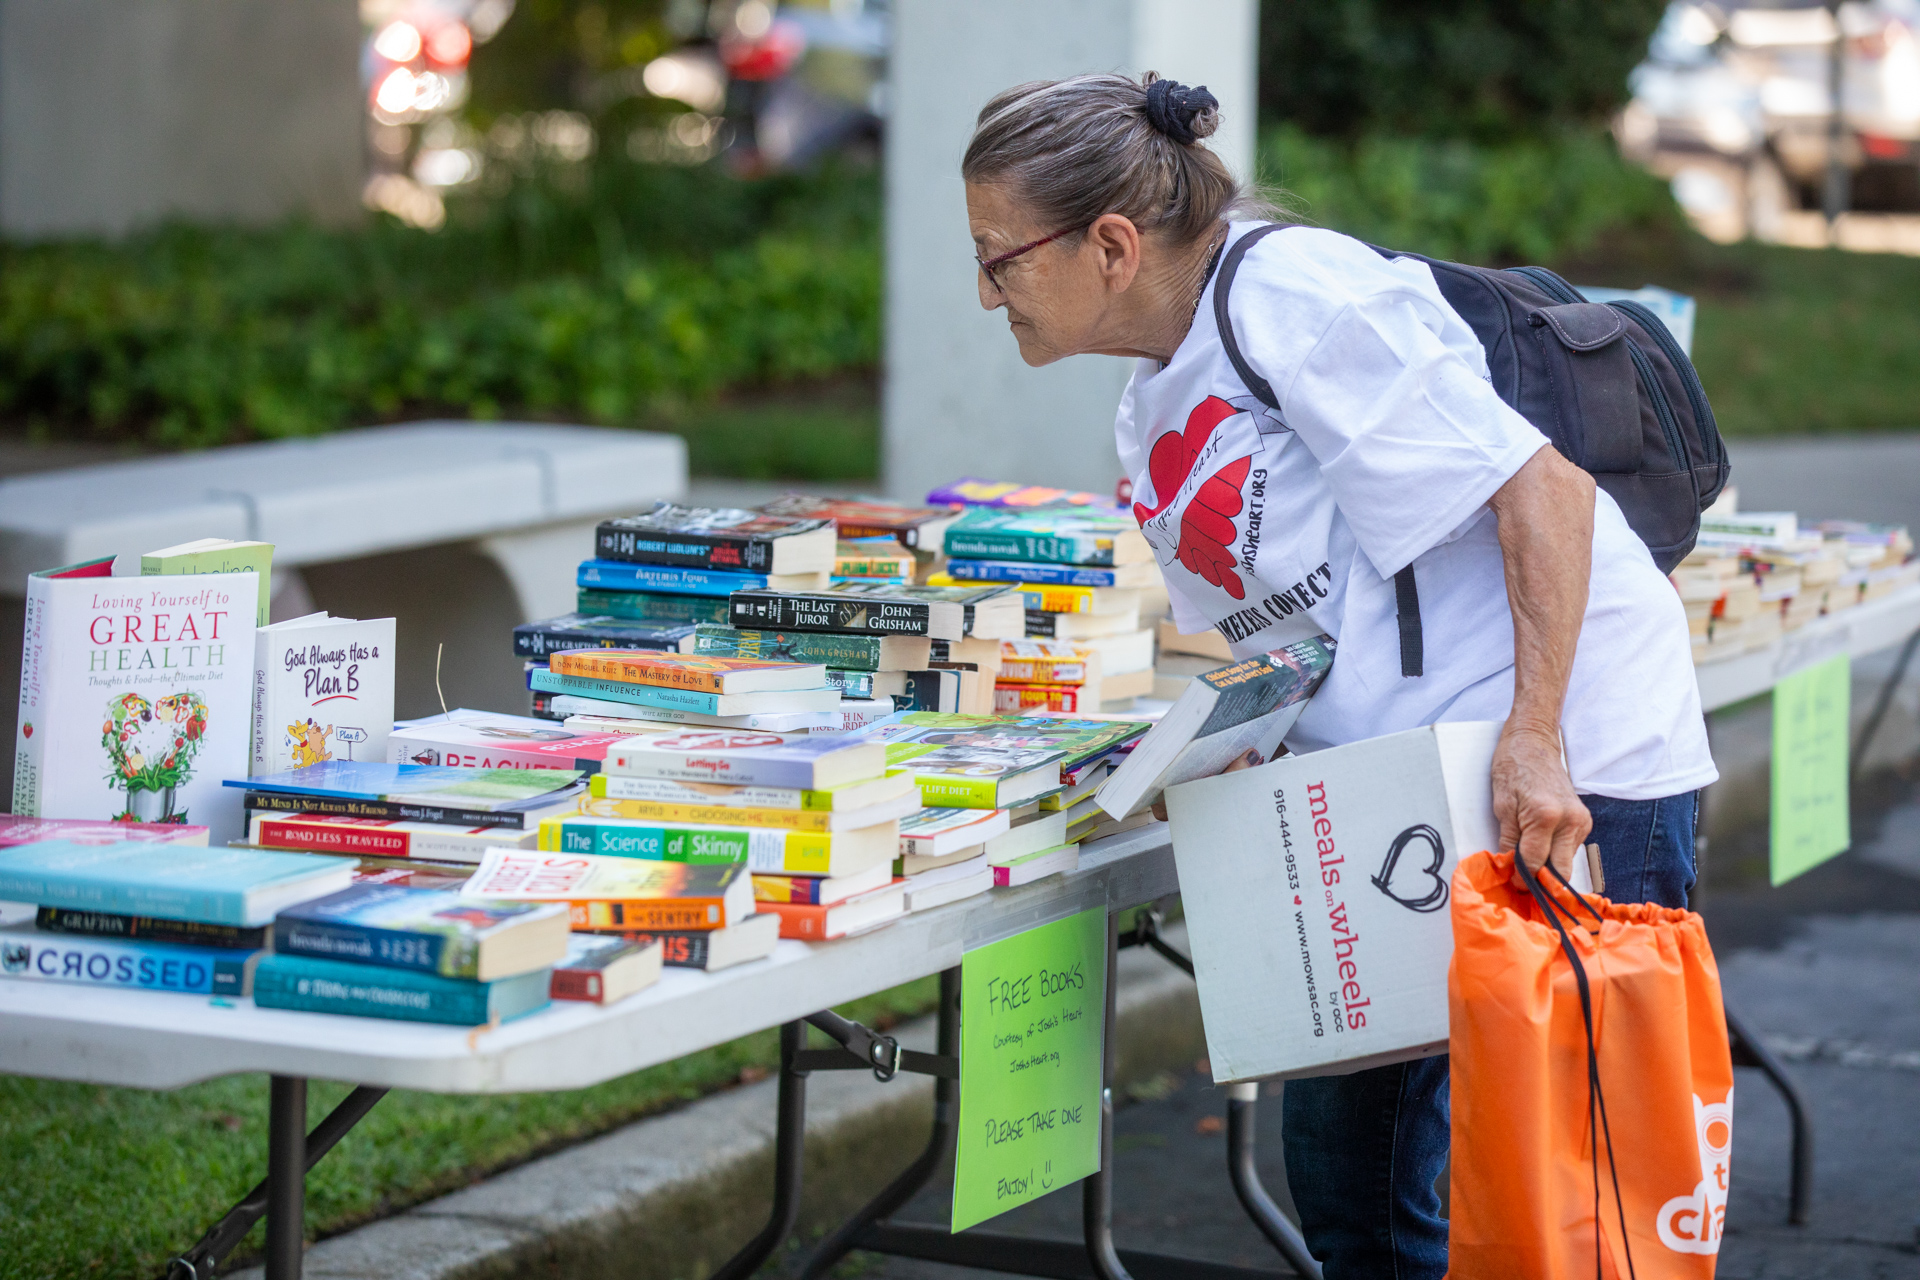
110,1183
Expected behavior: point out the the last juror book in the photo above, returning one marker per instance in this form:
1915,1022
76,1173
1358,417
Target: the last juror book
134,695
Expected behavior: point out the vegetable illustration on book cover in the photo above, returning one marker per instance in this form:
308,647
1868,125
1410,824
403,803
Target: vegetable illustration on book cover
133,695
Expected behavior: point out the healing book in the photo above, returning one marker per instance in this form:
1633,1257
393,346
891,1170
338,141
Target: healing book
322,690
134,702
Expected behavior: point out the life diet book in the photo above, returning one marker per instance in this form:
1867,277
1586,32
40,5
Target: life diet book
322,690
134,701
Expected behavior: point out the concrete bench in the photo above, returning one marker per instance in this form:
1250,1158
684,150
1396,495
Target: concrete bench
460,530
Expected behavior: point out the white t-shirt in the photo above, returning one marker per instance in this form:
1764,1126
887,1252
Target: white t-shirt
1389,440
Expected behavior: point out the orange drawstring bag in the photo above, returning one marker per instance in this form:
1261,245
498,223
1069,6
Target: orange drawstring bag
1590,1055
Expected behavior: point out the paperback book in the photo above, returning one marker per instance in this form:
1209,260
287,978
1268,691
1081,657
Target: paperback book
432,930
1037,865
817,923
1006,493
840,651
1042,662
30,953
1142,573
750,759
212,555
322,690
666,579
637,718
604,893
658,608
491,740
935,833
134,696
1052,599
694,672
996,746
820,821
16,828
514,798
719,538
597,631
381,837
713,949
822,890
1041,625
184,933
313,985
792,852
864,518
867,795
878,558
241,887
939,613
664,698
1059,536
605,970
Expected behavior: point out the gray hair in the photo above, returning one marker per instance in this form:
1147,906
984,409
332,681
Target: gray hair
1078,148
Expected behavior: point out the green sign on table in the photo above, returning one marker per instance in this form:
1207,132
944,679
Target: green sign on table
1032,1018
1810,725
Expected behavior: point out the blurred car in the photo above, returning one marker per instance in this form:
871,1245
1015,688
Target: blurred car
1733,103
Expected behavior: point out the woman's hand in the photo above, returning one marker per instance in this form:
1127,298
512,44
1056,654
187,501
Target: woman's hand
1245,760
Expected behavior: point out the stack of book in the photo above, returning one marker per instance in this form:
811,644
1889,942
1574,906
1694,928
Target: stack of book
493,740
877,560
646,691
422,955
152,916
871,523
666,570
442,813
815,821
1083,574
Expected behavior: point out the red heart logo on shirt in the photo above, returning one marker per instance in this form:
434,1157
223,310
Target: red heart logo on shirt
1206,526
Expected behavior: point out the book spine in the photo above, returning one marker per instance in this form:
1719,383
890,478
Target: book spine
630,839
258,762
156,966
390,948
675,766
1052,599
803,920
305,837
1038,697
851,684
1041,625
985,544
368,991
852,614
578,984
664,675
842,652
1063,575
29,755
693,550
939,790
620,786
618,575
648,606
1043,670
642,695
534,641
179,933
710,815
671,914
771,888
679,949
391,810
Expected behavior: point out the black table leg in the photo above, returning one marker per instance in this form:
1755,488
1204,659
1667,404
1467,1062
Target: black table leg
286,1176
1749,1052
788,1159
1097,1192
1282,1234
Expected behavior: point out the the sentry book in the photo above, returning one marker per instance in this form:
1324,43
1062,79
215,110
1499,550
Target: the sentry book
719,538
1065,535
134,698
704,673
619,893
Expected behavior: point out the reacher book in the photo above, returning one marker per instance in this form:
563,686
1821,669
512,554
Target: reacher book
134,703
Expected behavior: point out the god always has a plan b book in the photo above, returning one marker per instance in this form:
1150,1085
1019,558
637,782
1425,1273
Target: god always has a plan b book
322,690
133,696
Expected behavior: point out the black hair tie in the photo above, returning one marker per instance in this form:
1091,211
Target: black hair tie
1171,107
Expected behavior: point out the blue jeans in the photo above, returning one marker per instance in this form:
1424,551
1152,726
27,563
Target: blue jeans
1364,1150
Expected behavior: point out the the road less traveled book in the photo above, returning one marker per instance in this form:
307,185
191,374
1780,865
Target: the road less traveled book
719,538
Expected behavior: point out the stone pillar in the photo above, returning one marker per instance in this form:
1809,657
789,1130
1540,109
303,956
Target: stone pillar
958,400
119,113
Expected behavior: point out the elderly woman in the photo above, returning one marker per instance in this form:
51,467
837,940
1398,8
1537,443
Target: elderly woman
1099,218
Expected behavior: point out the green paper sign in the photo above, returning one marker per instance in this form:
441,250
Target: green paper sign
1810,726
1032,1018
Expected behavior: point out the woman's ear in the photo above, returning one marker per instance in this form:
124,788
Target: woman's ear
1115,242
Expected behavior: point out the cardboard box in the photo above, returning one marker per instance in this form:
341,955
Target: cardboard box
1316,891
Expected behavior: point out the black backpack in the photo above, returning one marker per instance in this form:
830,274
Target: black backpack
1606,383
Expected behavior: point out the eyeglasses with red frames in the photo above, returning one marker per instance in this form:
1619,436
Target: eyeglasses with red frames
989,266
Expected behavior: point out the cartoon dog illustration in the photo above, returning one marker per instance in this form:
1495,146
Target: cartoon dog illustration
310,743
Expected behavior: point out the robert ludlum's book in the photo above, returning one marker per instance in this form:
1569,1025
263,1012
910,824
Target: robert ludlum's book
939,613
134,699
432,930
1247,705
719,538
322,690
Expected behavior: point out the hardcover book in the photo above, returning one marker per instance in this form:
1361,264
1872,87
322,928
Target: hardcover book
1142,573
19,829
700,672
134,698
217,555
750,759
605,970
314,985
1246,705
713,949
939,613
30,953
660,609
432,930
597,631
844,652
492,740
243,887
186,933
666,579
794,852
719,538
381,837
1069,535
821,698
322,690
619,893
865,518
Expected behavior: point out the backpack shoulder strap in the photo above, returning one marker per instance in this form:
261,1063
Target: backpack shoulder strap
1406,594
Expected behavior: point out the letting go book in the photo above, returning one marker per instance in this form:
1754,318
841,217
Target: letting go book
133,696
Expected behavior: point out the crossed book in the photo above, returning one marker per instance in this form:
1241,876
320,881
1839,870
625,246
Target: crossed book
719,538
939,613
863,518
605,893
601,631
313,985
1066,535
668,579
431,930
1246,705
831,649
657,608
34,954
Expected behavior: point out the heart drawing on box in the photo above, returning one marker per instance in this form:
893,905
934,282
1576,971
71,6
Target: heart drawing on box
1417,890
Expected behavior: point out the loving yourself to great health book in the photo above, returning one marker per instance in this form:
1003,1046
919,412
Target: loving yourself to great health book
134,698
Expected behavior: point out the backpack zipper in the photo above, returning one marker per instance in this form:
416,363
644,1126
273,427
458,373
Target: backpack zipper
1550,284
1682,365
1662,407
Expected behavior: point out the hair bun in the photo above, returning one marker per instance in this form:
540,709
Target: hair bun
1183,114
